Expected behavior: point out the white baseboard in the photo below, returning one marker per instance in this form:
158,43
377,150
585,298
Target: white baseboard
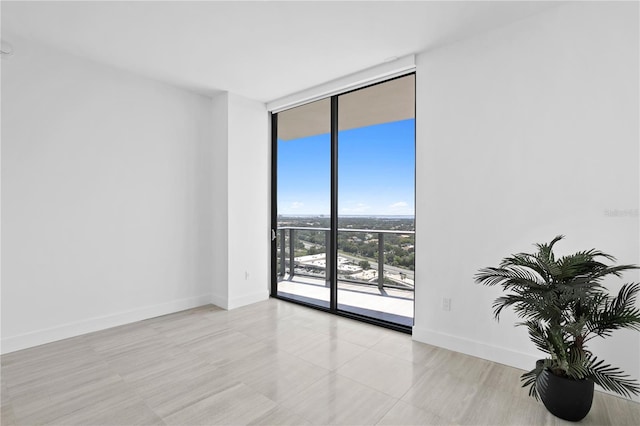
524,361
248,299
238,302
64,331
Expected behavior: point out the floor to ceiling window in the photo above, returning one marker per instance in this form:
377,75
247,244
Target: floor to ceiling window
343,203
303,202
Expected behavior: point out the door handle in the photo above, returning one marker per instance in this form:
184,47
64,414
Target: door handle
273,234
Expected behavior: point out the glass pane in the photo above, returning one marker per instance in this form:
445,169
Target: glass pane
376,193
304,202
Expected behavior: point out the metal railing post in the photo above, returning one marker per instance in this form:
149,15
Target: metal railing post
282,253
380,260
292,253
327,260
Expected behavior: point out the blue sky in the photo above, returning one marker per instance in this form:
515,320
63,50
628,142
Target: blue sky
376,169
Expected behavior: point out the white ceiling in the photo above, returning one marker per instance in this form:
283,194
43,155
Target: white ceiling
261,50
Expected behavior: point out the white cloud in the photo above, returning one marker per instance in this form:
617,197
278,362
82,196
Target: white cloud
358,208
398,205
297,204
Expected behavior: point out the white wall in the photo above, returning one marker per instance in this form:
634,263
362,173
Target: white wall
248,186
219,200
106,201
524,133
241,188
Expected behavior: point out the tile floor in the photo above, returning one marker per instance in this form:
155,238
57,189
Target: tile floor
269,363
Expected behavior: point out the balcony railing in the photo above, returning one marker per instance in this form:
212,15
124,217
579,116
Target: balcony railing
288,261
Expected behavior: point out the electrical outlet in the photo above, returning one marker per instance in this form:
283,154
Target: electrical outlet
446,304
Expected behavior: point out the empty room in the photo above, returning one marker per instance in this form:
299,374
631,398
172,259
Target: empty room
320,212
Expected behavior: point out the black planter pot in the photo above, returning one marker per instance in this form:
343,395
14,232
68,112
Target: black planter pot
565,398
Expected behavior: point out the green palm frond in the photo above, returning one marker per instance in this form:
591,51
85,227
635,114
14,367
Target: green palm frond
546,250
538,335
527,261
577,363
616,313
510,276
611,378
576,327
572,266
602,271
550,266
534,378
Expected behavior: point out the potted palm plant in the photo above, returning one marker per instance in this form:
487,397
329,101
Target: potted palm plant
563,305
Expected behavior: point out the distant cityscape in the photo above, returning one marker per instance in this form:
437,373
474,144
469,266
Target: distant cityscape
374,222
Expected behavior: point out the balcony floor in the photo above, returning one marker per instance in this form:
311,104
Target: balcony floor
393,305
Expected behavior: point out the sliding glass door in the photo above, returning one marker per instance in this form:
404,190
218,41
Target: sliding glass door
303,152
376,191
343,203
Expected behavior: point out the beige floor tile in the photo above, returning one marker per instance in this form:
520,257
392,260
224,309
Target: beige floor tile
97,395
235,405
168,369
220,319
280,416
314,321
497,406
264,355
443,393
284,309
135,358
224,347
186,320
283,378
180,389
402,346
606,407
53,391
131,412
335,399
297,340
5,397
459,365
262,328
170,321
188,330
332,354
63,381
384,373
406,414
25,367
311,319
360,333
116,340
250,313
6,415
506,378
